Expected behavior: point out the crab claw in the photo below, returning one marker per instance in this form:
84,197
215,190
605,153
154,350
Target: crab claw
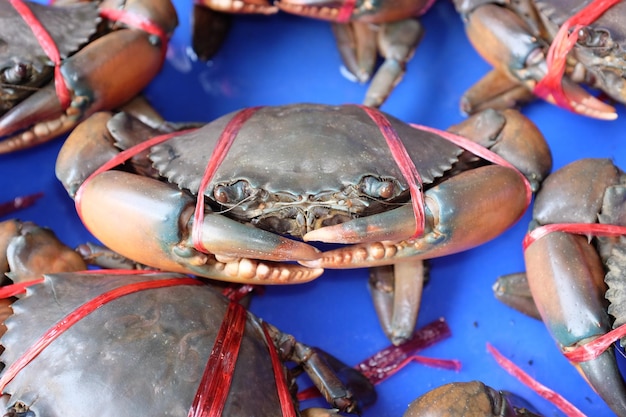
131,57
566,272
28,251
157,224
504,40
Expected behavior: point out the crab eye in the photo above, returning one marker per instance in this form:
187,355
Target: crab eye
379,188
231,193
592,38
18,73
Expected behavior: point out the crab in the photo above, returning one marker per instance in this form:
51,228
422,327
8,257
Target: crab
363,30
547,48
86,57
310,171
574,256
472,398
149,337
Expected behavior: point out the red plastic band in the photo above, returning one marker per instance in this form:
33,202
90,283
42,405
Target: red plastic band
72,318
345,11
212,393
593,349
406,165
561,45
559,401
284,395
50,48
222,146
594,229
17,288
19,203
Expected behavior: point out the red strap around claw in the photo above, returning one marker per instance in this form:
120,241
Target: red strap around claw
562,43
49,47
593,349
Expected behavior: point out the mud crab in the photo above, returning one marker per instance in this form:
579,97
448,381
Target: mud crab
343,187
528,43
86,57
472,398
106,320
574,257
363,31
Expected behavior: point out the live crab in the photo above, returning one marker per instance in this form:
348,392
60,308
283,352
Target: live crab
343,186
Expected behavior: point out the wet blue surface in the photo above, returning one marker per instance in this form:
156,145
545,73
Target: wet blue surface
286,59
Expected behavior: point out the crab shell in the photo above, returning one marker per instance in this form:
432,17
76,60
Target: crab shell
298,168
142,354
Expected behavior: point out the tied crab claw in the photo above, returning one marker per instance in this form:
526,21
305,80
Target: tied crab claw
547,48
59,62
574,256
392,193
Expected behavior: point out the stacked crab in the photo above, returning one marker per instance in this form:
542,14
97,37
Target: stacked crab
352,203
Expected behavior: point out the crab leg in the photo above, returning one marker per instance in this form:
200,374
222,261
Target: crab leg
157,224
397,293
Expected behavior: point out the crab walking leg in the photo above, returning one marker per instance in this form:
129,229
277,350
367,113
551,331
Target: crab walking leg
396,293
153,227
463,212
566,278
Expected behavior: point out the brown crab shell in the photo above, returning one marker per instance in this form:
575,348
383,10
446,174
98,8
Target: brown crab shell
307,151
139,355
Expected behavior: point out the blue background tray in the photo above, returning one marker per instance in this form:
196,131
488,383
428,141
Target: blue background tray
287,59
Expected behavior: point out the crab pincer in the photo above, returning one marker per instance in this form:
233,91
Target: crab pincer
574,255
66,62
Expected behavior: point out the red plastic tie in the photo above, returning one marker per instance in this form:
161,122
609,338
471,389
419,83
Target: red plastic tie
559,401
18,288
50,48
594,229
212,393
563,42
284,394
19,203
72,318
592,349
406,165
220,151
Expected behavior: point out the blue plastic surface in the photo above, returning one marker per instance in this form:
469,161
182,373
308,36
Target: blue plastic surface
287,59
